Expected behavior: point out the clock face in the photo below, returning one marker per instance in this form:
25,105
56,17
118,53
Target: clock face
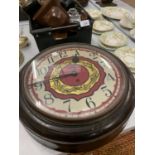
73,83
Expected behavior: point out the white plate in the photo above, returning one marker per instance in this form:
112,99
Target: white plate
128,21
102,26
111,49
21,58
113,39
127,55
132,33
97,32
94,13
113,12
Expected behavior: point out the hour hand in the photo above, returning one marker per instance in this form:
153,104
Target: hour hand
73,73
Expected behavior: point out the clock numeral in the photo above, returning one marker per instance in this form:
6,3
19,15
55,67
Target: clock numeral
94,56
69,108
102,63
50,59
107,91
110,77
77,53
90,103
63,54
42,71
38,85
48,99
68,102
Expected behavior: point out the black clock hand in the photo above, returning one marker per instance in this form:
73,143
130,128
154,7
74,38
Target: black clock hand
57,77
65,75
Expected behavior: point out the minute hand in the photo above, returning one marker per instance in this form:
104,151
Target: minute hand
65,75
57,77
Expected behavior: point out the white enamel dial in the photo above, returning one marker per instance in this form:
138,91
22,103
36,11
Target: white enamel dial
72,83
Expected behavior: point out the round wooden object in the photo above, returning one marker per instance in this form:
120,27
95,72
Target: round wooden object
75,97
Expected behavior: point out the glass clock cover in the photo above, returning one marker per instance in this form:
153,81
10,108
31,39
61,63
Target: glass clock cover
73,83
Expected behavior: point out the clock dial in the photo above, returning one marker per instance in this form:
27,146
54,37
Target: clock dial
73,83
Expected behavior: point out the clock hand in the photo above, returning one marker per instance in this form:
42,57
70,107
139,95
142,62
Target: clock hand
57,77
73,73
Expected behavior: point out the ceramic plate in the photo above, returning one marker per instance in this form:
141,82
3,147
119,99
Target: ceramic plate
102,25
97,32
111,49
127,55
132,33
94,13
113,39
128,21
21,58
113,12
23,41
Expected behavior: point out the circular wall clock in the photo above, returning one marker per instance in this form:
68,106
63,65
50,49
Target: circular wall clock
75,97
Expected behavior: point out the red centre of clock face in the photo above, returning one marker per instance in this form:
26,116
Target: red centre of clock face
80,78
90,76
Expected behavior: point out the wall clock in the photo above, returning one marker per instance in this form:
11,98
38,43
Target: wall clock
75,97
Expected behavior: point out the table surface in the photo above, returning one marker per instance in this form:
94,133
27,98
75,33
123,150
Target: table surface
27,145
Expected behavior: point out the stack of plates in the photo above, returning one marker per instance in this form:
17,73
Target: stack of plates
112,40
101,26
114,12
127,55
